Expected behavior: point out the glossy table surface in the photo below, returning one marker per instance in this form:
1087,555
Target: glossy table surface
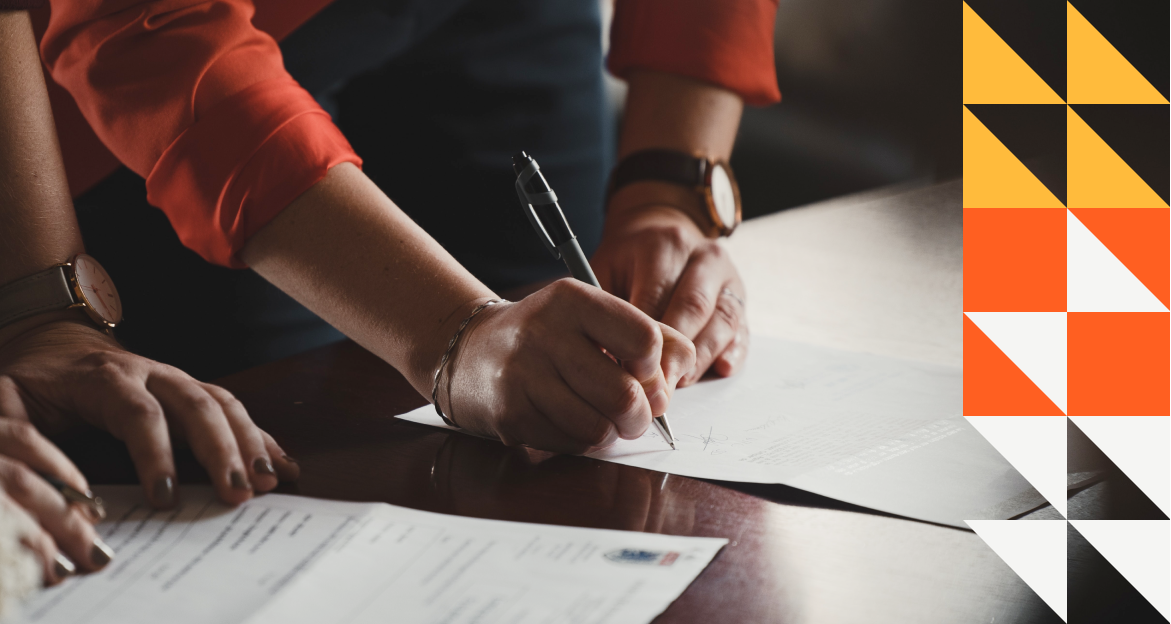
879,272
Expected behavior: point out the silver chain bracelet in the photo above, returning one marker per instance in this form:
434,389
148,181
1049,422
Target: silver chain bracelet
447,355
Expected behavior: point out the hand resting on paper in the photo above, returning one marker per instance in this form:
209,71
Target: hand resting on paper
532,372
64,371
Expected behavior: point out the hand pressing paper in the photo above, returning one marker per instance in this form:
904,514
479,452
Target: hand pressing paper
873,431
287,559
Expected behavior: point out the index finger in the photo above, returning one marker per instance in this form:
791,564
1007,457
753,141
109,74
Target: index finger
21,441
694,300
619,328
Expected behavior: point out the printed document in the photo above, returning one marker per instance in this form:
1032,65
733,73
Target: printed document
874,431
287,559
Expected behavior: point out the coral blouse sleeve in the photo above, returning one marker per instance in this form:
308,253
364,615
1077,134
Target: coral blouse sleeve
191,96
728,43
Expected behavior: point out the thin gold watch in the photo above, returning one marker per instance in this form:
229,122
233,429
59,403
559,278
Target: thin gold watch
79,283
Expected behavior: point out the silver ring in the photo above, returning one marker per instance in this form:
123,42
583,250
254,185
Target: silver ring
728,292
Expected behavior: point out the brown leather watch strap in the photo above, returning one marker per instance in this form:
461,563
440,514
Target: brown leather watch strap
662,165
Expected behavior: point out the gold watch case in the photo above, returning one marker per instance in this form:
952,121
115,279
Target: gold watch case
106,314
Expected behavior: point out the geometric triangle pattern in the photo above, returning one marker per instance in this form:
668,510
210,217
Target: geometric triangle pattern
1098,176
1097,280
1140,550
1067,279
1035,446
1035,550
1140,446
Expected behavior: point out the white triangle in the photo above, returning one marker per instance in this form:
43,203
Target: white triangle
1096,280
1035,550
1035,446
1035,342
1141,552
1141,448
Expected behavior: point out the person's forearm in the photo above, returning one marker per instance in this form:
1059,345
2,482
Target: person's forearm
38,227
345,251
668,111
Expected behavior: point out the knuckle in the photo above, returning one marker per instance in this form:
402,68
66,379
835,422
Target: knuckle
233,405
727,312
671,236
628,399
568,286
19,481
716,252
648,337
140,410
599,432
695,302
105,362
201,402
22,433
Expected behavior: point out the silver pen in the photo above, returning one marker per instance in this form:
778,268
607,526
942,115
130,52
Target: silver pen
540,206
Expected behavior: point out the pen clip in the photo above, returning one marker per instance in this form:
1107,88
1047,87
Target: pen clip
526,202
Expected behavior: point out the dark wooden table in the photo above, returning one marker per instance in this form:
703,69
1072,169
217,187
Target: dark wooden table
793,557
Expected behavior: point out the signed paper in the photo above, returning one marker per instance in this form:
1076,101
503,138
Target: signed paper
287,560
883,433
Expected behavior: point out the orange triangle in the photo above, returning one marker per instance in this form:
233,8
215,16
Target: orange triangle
1097,72
1097,175
1140,238
994,386
994,177
994,73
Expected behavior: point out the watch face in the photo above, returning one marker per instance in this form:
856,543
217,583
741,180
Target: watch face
97,289
723,196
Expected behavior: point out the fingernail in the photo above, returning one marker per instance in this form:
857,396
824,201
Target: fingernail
101,553
238,481
262,465
164,492
63,567
289,459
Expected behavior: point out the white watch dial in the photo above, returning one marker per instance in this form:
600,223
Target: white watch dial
97,289
723,196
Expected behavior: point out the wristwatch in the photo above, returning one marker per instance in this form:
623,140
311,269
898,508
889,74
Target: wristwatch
711,179
79,283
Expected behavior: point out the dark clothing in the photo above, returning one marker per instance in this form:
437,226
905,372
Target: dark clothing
435,96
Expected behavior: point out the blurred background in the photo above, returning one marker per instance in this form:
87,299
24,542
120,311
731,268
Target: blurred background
871,91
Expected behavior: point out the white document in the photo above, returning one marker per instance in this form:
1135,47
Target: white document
879,432
286,559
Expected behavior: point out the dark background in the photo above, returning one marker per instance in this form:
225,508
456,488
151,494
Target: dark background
871,93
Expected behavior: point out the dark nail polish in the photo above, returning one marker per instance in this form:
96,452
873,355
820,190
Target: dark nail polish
164,492
101,553
239,482
63,567
290,459
262,466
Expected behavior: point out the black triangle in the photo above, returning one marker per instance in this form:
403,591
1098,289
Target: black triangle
1138,30
1097,593
1138,133
1035,30
1035,134
1113,496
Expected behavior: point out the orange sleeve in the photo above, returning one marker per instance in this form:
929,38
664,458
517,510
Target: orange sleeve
728,43
191,96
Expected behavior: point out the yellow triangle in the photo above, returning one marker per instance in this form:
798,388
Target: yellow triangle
1098,177
993,177
994,73
1097,72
